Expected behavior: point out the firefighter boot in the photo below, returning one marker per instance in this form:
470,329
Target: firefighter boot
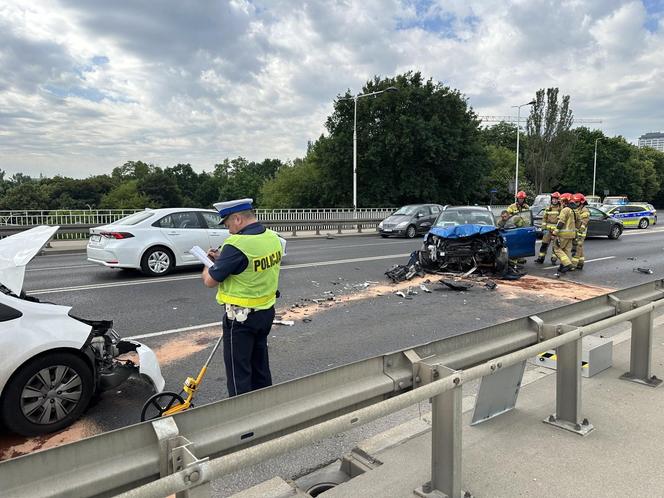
564,269
540,260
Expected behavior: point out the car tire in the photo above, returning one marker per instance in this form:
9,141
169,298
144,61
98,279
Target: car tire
615,232
411,232
644,222
157,261
384,235
30,416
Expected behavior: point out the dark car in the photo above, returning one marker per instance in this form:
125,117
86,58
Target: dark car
465,238
408,221
600,224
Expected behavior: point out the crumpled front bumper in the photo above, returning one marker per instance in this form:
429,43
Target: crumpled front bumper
148,365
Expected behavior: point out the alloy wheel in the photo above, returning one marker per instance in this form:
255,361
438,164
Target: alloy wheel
51,394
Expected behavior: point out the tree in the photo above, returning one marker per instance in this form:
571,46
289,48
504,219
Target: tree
187,181
126,196
501,134
549,140
419,144
132,170
160,188
27,195
296,185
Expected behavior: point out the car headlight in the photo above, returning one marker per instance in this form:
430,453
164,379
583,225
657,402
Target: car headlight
380,225
403,224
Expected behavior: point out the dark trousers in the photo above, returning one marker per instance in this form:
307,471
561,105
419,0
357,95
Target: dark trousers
245,352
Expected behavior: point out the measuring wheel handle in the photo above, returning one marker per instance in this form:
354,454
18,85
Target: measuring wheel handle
160,403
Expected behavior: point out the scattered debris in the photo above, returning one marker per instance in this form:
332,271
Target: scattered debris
411,292
328,236
631,258
647,271
306,320
425,288
457,285
399,273
289,323
400,294
491,285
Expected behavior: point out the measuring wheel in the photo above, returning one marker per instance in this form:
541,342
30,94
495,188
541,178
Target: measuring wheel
159,403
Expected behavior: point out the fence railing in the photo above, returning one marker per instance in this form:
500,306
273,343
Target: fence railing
185,452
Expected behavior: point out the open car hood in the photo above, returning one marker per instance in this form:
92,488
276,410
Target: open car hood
460,231
17,250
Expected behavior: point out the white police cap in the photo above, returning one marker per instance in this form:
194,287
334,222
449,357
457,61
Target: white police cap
230,207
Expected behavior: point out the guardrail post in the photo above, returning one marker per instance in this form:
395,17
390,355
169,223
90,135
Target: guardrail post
568,390
339,228
359,228
294,231
640,359
177,453
446,445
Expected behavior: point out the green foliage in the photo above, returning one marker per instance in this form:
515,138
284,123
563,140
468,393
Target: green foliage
420,144
126,196
549,140
501,134
295,186
160,189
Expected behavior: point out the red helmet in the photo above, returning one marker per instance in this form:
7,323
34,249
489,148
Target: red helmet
579,198
555,195
521,195
566,197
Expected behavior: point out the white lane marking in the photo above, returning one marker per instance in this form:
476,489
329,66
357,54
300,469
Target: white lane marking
159,280
175,331
61,268
587,261
644,232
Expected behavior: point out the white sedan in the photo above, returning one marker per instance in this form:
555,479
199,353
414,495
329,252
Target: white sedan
51,362
157,240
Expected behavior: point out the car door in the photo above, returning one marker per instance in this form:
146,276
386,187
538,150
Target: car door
423,219
598,224
216,233
520,240
184,230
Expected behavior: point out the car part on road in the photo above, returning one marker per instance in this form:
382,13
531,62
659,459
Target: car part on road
164,404
491,285
425,288
457,285
288,323
647,271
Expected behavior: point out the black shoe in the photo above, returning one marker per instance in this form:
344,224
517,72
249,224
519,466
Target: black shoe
540,260
565,269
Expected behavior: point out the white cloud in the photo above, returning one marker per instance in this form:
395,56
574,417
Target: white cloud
87,85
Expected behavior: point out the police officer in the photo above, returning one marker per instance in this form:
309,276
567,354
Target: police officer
246,274
582,218
565,233
549,221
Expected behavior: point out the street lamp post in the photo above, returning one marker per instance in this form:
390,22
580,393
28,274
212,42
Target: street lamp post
518,132
358,96
595,166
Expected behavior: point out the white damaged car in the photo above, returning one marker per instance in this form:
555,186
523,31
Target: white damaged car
51,362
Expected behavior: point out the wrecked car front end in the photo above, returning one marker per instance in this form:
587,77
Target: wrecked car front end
464,248
116,360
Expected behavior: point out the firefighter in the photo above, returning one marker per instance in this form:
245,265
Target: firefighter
549,221
565,233
582,218
520,204
514,211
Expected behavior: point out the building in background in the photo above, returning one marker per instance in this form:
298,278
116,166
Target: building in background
654,140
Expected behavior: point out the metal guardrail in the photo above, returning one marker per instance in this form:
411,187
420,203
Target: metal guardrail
75,225
173,454
106,216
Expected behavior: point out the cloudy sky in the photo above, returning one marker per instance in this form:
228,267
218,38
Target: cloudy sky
87,85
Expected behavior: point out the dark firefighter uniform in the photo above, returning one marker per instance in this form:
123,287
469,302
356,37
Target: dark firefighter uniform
582,218
247,270
565,234
549,222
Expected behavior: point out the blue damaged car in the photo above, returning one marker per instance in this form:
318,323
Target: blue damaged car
467,239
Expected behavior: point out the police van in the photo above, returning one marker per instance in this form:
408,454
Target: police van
634,215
